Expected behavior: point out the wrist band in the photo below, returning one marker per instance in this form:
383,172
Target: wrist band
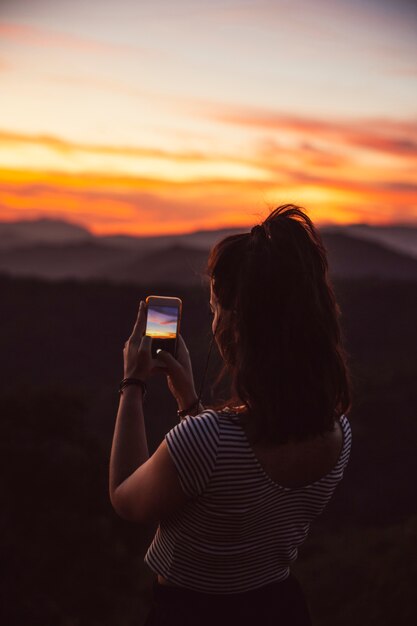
190,409
132,381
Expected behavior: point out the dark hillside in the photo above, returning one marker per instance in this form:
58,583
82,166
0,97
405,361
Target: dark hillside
175,265
352,257
84,260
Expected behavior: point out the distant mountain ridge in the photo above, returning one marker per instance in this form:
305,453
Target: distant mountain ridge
55,250
400,237
353,257
44,230
82,260
175,265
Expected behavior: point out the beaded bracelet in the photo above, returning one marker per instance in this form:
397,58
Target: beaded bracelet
132,381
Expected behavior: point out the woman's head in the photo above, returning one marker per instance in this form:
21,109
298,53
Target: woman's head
276,323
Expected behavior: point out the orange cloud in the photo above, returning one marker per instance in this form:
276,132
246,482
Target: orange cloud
65,146
125,204
341,171
138,206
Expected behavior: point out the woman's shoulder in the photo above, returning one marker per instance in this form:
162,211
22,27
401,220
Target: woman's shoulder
206,422
212,414
217,419
223,422
208,415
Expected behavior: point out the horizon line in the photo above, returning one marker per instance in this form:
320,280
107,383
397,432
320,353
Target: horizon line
318,224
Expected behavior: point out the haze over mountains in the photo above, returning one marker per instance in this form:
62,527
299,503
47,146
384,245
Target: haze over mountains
56,249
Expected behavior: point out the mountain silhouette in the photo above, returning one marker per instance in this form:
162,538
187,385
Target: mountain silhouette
55,249
83,260
352,257
44,230
177,265
399,237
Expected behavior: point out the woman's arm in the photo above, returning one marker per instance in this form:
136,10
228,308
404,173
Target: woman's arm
130,446
143,488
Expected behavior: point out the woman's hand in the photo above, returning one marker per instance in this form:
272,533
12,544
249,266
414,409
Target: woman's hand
179,374
138,361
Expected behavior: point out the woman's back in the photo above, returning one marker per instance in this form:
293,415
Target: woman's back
295,464
241,528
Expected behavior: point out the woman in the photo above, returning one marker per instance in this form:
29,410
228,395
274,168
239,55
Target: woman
235,488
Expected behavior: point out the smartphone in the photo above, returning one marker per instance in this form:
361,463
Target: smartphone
163,317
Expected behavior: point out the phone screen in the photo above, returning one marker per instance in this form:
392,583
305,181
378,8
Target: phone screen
162,326
162,321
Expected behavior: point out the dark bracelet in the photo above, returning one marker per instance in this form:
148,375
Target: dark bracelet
132,381
190,409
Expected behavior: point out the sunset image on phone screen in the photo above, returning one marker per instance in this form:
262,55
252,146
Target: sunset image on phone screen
162,322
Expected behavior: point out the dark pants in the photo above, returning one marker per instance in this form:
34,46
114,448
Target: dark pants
277,604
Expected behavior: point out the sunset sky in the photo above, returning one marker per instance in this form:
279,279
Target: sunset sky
175,115
162,321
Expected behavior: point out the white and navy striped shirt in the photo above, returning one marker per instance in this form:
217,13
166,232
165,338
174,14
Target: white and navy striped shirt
240,530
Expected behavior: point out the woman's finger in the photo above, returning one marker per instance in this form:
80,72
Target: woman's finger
183,356
145,345
167,360
140,324
157,367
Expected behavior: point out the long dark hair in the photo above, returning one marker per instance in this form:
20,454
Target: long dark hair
281,340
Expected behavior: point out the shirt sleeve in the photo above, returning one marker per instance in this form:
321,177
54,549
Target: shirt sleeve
193,445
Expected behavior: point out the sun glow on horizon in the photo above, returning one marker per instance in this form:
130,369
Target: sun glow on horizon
144,122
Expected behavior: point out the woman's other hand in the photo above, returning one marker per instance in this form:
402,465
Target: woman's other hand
179,374
137,356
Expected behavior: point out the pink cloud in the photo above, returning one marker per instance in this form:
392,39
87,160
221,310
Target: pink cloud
396,137
43,37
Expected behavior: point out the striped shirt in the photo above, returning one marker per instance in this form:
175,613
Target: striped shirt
239,530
